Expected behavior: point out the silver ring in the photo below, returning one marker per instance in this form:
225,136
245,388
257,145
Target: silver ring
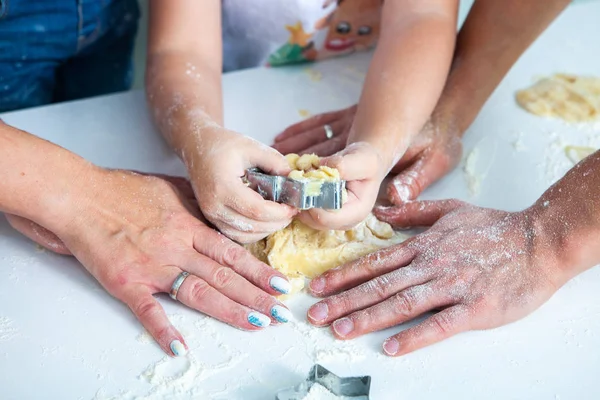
328,131
177,284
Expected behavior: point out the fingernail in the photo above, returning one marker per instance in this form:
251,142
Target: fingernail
343,326
391,346
258,319
317,285
281,314
280,284
178,348
318,312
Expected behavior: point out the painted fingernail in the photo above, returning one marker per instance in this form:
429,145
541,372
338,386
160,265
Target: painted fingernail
178,348
391,346
343,326
318,312
317,285
281,314
258,319
280,284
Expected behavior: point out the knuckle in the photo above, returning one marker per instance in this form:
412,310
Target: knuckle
233,255
263,302
144,308
442,324
199,290
379,286
403,304
222,277
342,301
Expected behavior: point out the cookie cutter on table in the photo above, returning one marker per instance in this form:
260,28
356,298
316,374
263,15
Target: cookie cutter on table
302,194
355,388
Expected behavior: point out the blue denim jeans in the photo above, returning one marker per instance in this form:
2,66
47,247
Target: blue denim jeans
58,50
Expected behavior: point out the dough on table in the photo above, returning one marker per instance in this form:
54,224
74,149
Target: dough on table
300,252
569,97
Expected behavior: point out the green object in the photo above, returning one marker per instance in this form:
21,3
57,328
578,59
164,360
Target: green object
287,54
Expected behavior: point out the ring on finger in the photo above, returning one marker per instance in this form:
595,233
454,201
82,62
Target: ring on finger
177,284
328,131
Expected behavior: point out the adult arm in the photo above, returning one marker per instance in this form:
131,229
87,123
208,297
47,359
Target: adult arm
483,268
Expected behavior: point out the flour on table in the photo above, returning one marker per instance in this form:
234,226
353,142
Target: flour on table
471,175
8,330
569,97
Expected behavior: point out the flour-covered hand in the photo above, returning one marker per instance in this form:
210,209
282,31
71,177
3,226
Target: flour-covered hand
363,169
483,268
216,168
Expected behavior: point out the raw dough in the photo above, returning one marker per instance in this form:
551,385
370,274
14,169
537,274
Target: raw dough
572,98
299,251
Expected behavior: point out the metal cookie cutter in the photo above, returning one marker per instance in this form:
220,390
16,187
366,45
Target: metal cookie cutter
300,194
354,388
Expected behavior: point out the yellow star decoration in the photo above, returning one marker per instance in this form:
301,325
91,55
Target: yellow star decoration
297,34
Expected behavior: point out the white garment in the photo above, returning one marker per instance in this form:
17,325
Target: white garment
256,32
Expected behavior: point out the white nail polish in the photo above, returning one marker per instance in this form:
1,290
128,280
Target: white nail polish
280,284
281,314
178,348
258,319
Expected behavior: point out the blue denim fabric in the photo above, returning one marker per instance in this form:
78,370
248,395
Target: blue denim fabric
58,50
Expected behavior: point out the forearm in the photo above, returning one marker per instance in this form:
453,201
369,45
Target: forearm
183,73
568,215
405,79
493,37
39,179
184,95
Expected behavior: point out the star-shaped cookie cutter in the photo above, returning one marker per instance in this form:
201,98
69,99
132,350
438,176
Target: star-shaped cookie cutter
355,388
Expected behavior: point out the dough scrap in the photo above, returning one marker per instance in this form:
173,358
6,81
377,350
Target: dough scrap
578,153
569,97
300,252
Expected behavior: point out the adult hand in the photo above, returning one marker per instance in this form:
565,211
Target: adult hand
309,136
484,268
363,169
50,241
135,234
433,153
216,169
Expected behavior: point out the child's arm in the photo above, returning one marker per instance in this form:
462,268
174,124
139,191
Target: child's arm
183,87
402,86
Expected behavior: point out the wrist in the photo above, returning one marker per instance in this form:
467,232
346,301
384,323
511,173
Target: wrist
567,245
65,198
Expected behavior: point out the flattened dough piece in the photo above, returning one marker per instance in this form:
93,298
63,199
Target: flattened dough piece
308,168
299,251
578,153
569,97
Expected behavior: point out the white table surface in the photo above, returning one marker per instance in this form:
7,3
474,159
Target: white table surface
63,337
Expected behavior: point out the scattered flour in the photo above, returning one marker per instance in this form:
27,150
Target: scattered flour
471,175
7,329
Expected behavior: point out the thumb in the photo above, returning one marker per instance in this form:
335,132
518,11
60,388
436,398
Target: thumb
417,213
270,161
409,184
356,162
